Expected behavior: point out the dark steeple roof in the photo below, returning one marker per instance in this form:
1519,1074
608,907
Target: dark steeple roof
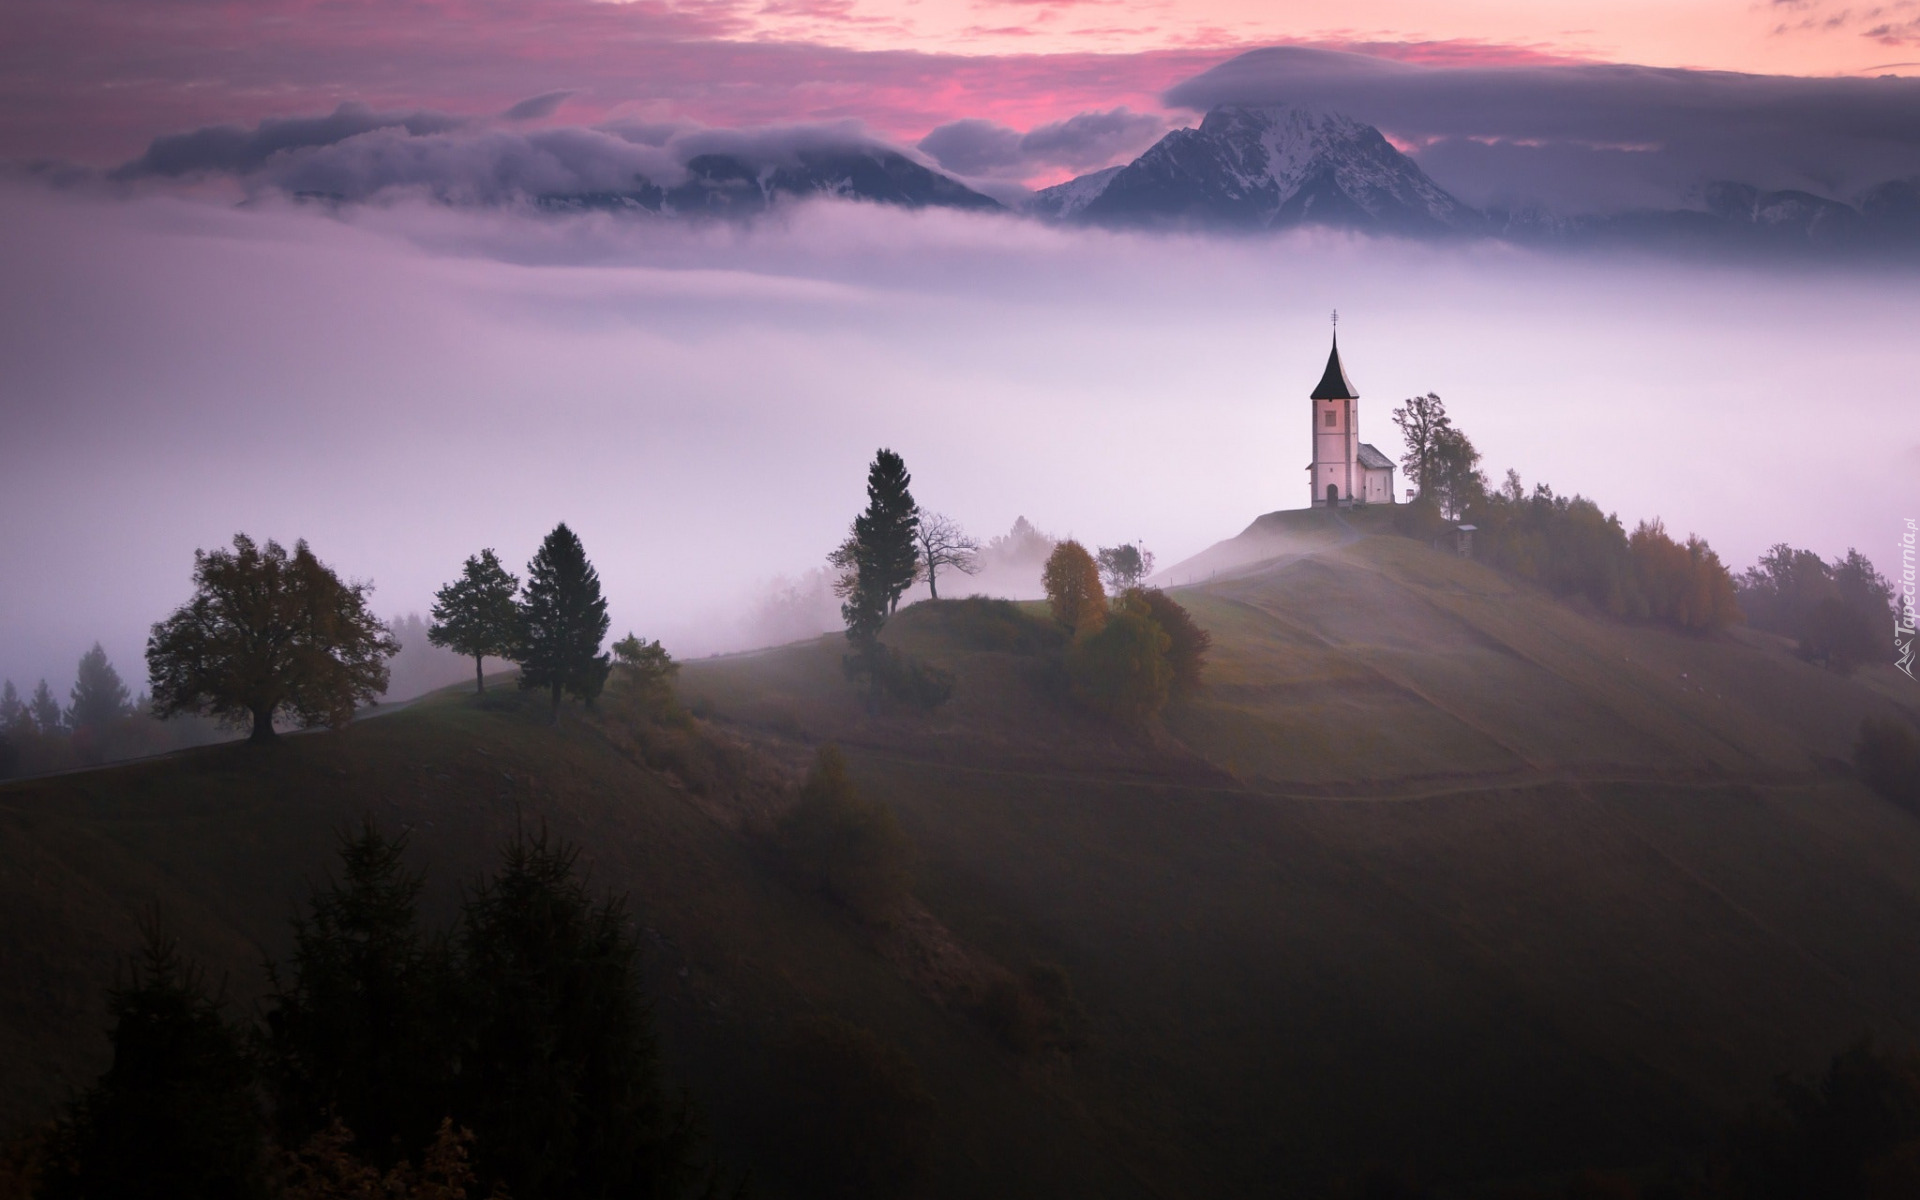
1334,385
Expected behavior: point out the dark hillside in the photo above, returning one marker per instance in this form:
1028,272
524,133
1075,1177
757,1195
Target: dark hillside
1436,874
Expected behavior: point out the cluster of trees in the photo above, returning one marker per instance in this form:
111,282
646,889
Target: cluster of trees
1129,655
512,1051
101,722
1565,543
1839,613
272,635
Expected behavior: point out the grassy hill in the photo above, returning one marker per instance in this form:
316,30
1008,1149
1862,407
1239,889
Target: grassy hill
1436,874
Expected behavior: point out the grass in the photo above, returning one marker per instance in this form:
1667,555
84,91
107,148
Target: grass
1437,873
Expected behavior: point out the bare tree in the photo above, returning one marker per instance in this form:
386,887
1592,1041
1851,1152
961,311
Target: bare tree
1423,422
944,544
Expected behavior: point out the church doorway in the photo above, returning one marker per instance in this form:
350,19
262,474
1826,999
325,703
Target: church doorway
1333,495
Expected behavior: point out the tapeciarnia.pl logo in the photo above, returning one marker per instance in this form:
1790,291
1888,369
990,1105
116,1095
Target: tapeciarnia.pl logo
1903,622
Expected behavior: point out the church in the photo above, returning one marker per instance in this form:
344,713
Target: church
1345,470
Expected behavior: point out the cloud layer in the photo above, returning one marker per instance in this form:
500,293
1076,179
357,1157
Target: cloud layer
1595,135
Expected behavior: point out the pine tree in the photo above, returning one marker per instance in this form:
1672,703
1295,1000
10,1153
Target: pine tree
100,700
359,1026
563,620
45,710
888,552
475,615
560,1076
14,717
174,1115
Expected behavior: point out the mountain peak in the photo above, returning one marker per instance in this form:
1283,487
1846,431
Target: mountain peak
1270,166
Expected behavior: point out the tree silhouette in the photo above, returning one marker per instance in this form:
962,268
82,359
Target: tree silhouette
1123,567
885,535
267,632
174,1114
100,700
563,620
45,710
1422,420
475,615
359,1027
560,1076
944,544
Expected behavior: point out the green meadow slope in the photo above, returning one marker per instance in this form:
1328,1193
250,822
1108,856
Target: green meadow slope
1436,874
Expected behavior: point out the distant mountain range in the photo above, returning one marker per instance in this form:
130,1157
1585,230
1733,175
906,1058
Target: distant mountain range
1246,168
1250,168
722,185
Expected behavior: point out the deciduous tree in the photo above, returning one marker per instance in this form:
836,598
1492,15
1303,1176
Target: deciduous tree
1187,643
1120,668
267,633
563,620
475,615
1124,566
944,544
1422,420
1453,467
1073,587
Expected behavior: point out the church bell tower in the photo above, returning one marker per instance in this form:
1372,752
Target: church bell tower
1334,477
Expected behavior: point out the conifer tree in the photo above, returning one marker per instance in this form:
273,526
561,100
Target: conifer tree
45,710
886,534
563,620
14,717
361,1024
174,1114
100,700
475,615
560,1076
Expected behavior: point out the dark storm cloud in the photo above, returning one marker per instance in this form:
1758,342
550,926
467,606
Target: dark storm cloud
1595,134
231,148
1082,142
533,108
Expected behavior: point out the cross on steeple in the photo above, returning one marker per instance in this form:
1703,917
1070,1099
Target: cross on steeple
1336,320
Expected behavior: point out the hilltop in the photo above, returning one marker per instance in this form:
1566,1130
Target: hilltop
1437,873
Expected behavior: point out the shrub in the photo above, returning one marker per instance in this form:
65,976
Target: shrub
1120,669
1887,758
646,671
982,623
1187,643
1072,580
844,845
858,1122
898,676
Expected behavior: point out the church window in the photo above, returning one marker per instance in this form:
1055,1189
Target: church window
1330,418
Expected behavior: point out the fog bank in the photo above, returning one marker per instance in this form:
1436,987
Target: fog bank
404,385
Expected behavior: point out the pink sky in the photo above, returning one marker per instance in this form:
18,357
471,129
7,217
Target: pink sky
94,80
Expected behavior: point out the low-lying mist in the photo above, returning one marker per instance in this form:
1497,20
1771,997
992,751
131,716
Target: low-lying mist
404,385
